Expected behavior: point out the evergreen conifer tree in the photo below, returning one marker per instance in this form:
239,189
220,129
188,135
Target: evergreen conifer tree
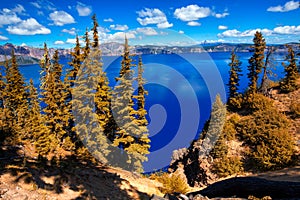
266,70
128,135
256,62
57,113
216,123
95,32
91,132
289,82
15,98
141,111
35,123
234,78
86,49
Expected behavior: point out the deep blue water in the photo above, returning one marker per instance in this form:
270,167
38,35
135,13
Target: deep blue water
181,90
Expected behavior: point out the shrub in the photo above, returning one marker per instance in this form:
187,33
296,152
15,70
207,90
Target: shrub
295,109
255,101
266,134
229,128
228,166
235,103
171,183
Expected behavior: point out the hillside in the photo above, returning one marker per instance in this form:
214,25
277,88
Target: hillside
27,178
24,177
31,55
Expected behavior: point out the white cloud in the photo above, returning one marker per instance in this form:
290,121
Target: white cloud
61,18
28,27
212,41
246,33
118,27
108,20
7,17
19,9
287,30
288,6
35,4
73,41
120,36
193,23
153,16
3,37
192,13
147,31
221,15
181,32
83,10
59,42
221,27
72,31
281,30
23,45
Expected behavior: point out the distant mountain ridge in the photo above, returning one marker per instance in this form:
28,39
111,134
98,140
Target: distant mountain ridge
31,55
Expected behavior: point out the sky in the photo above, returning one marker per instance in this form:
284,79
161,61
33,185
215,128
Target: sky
154,22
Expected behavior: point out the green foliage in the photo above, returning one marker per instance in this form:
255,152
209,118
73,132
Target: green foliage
289,82
140,113
217,120
266,134
83,103
171,183
256,101
224,164
228,166
86,49
256,62
77,59
265,81
129,135
15,99
230,125
295,109
95,32
35,123
234,78
54,94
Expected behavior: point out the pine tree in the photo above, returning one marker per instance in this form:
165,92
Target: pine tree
86,49
126,57
256,62
234,78
128,134
88,127
15,98
141,111
95,32
216,123
266,70
35,123
289,82
3,122
77,59
70,79
54,96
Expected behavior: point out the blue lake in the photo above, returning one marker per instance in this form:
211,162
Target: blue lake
181,90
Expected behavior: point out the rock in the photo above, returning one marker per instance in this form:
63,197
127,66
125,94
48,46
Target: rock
155,197
243,187
199,197
170,197
176,196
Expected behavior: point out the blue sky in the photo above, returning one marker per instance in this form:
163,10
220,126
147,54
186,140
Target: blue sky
170,22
